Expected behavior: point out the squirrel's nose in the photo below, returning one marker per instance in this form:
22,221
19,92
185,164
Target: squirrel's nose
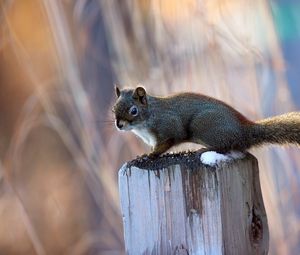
119,124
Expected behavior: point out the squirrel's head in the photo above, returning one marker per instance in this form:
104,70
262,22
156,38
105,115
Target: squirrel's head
131,108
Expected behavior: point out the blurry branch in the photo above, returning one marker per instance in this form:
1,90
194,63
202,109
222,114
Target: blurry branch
14,164
63,106
38,246
80,108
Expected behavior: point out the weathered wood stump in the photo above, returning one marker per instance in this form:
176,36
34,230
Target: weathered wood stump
177,205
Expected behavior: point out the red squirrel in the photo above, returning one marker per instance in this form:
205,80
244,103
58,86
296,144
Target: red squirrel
163,122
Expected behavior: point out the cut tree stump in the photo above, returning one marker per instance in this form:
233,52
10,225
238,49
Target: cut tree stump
177,205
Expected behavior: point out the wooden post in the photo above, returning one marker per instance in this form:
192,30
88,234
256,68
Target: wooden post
177,205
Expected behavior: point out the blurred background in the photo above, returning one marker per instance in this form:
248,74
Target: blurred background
59,149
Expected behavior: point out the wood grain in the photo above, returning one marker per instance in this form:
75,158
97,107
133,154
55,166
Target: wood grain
193,209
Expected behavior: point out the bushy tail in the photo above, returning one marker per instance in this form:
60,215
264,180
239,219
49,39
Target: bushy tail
282,129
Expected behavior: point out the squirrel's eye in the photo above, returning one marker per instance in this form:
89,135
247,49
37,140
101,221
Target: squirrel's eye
133,110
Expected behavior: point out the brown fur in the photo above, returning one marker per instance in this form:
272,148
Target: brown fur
201,119
282,129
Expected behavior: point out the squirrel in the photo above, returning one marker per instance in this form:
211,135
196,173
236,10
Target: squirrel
163,122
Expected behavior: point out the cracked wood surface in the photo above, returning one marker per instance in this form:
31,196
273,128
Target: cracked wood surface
185,207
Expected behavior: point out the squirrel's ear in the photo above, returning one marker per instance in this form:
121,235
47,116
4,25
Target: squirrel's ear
117,90
140,94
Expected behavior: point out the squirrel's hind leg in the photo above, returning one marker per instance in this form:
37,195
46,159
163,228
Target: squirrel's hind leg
213,158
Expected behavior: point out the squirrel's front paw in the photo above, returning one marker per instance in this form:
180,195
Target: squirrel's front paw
143,156
153,155
147,156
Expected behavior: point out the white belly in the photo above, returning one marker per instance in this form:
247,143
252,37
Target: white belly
145,135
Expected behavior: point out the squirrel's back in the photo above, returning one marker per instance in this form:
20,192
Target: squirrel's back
189,117
190,104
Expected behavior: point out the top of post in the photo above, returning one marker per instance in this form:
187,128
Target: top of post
190,159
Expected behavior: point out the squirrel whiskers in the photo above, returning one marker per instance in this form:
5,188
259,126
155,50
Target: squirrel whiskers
163,122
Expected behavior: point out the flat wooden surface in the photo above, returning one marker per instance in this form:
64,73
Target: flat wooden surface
188,208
